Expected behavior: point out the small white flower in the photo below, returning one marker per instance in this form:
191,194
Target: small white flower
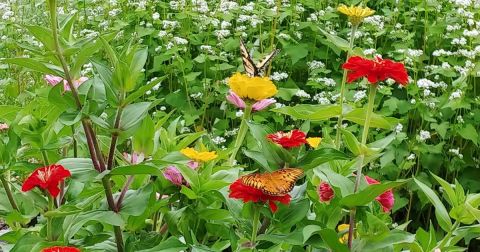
455,95
424,135
163,108
399,128
302,94
411,156
360,95
239,113
156,16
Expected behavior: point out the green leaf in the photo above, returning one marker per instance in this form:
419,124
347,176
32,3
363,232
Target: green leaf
470,133
62,211
317,157
215,215
43,35
340,43
35,65
133,114
331,239
296,52
188,192
377,243
136,201
336,180
351,141
73,223
142,140
8,112
81,168
136,170
377,121
310,112
142,90
440,211
451,197
368,194
309,231
172,244
293,214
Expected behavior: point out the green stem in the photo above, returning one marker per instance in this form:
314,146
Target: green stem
242,132
256,220
45,157
342,87
50,219
9,193
366,126
449,234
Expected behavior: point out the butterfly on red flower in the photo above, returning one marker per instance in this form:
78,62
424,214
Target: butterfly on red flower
61,249
375,70
266,187
290,139
47,178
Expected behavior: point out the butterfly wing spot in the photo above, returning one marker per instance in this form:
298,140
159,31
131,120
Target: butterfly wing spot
277,183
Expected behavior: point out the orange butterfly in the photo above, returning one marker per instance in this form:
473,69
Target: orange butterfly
275,183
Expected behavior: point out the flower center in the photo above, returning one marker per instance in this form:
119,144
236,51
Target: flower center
45,175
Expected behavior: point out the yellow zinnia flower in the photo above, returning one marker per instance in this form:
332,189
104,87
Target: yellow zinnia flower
255,88
341,228
203,156
355,14
314,141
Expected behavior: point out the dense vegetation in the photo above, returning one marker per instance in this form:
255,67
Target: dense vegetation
133,126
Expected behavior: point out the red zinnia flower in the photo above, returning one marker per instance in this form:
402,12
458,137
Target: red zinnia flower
290,139
385,199
325,192
46,178
238,190
61,249
375,70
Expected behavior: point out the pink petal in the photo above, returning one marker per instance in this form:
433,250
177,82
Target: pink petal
52,79
172,174
260,105
235,100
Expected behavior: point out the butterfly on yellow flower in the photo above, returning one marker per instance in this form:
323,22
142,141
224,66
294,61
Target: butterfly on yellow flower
277,183
252,69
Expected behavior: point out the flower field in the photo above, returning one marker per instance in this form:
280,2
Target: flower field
215,125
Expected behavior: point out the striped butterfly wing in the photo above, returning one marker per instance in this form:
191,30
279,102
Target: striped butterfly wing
263,63
250,67
277,183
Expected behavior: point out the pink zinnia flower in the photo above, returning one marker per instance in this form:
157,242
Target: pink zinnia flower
134,158
54,80
234,99
385,199
325,192
3,126
173,175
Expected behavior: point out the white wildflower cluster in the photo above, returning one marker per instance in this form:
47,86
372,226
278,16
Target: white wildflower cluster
87,69
460,119
229,133
321,98
200,6
315,16
279,105
359,95
239,113
218,140
177,5
206,48
376,20
370,51
169,24
6,12
459,41
198,95
227,6
456,152
424,135
302,94
427,84
314,64
276,76
89,33
455,95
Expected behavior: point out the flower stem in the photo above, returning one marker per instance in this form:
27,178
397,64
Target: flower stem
242,132
342,87
49,218
366,126
9,193
256,220
444,241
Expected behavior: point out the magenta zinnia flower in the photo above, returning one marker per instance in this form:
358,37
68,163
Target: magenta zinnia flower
385,199
325,192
